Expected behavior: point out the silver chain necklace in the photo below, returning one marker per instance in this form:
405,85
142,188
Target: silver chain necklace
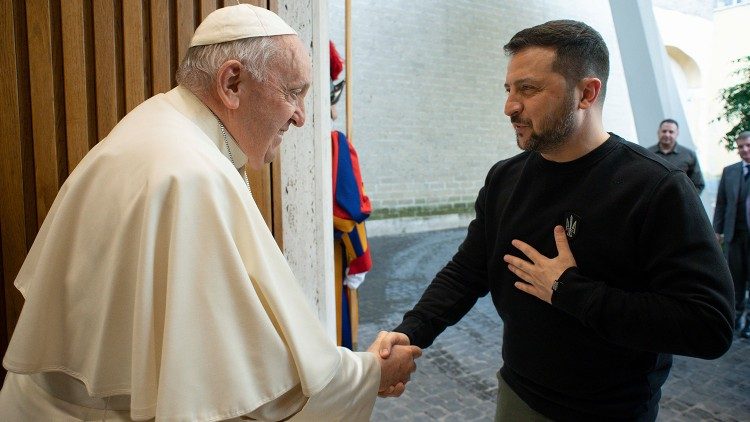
226,144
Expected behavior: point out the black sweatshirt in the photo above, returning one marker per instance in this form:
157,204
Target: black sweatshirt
650,281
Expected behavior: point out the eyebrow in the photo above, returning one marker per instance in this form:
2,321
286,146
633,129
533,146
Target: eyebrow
297,86
521,81
304,87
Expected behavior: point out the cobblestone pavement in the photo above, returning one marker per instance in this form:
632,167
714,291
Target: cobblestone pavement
456,377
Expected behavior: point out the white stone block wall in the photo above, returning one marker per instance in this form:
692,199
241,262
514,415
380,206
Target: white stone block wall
428,93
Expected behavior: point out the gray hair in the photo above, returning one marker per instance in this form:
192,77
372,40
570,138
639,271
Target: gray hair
201,63
744,135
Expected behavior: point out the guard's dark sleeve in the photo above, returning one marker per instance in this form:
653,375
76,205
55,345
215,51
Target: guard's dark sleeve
686,308
454,290
694,172
721,204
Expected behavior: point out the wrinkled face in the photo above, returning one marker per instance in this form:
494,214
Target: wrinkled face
668,135
268,108
743,149
540,104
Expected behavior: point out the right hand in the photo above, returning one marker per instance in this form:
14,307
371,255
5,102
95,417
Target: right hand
396,369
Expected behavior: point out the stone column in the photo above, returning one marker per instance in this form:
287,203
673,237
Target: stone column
652,89
306,170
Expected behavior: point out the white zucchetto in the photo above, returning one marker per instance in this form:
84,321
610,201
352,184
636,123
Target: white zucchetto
238,22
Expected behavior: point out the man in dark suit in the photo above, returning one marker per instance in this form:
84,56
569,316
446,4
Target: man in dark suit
732,224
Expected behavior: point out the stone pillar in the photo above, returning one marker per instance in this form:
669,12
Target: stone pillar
306,170
652,89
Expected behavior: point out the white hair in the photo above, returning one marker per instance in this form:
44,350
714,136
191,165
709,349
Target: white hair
198,69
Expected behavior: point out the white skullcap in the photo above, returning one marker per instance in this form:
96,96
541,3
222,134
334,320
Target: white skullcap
237,22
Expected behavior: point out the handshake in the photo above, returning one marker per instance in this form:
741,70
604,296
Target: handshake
396,358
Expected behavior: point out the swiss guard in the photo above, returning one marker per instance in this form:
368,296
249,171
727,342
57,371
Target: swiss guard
351,207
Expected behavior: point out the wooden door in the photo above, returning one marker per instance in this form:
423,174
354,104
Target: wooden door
71,70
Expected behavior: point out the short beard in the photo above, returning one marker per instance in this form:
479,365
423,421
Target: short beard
554,129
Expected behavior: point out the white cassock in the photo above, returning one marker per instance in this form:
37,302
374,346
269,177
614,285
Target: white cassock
154,289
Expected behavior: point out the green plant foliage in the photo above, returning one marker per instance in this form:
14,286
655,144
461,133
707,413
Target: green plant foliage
736,100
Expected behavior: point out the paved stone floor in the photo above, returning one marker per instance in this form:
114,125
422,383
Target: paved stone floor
455,379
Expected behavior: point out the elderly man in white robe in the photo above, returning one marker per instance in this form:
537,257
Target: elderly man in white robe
154,290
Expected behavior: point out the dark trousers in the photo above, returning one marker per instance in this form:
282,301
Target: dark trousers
511,408
738,258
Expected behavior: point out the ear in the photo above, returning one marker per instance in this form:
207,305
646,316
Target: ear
590,89
228,84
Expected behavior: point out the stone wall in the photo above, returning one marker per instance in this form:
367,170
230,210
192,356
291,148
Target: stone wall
428,94
306,203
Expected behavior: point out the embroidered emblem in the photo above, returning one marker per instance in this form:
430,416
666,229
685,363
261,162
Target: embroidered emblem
571,224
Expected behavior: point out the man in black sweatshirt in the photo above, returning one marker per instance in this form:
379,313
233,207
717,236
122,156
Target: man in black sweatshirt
599,257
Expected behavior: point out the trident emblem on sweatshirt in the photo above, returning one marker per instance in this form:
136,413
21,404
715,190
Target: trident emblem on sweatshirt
571,224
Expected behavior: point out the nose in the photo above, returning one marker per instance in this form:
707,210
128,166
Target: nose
298,118
512,107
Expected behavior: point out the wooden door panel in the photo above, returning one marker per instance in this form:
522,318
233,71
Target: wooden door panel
71,70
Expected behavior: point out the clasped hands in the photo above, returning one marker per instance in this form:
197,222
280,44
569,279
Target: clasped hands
396,357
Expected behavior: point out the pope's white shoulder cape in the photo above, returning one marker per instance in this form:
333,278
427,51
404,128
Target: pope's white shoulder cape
154,275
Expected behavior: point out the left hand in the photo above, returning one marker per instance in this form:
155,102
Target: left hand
541,272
